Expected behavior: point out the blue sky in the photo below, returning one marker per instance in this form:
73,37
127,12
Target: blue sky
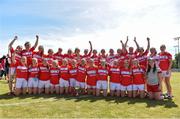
72,23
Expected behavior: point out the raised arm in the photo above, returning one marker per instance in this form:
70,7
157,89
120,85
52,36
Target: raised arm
12,42
148,46
90,48
123,46
137,45
127,39
36,43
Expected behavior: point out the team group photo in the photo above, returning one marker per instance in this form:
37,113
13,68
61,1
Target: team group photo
89,59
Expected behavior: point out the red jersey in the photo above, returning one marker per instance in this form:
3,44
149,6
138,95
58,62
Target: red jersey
21,71
54,76
164,60
64,72
121,60
38,56
91,76
44,73
96,59
143,59
59,58
138,75
17,55
126,75
28,54
114,73
34,72
73,72
102,73
77,57
81,73
102,57
49,58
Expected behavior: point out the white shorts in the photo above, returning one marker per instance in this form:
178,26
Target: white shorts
72,82
63,83
54,85
21,83
33,82
128,88
12,71
165,74
139,87
44,84
115,86
101,84
92,87
80,84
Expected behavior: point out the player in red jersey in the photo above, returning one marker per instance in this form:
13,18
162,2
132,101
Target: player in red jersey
102,55
165,63
138,72
131,53
59,56
28,51
54,77
21,75
111,57
39,54
44,77
91,77
73,76
142,56
17,56
64,77
126,79
81,76
86,54
49,56
77,56
115,79
33,77
95,57
69,56
102,78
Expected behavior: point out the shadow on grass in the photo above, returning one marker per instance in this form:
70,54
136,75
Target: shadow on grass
130,101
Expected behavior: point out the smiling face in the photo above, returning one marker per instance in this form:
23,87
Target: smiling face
18,49
23,60
94,52
50,52
103,63
103,51
135,62
162,48
111,51
34,62
27,45
152,50
83,62
54,63
41,49
86,51
45,62
64,62
131,49
126,63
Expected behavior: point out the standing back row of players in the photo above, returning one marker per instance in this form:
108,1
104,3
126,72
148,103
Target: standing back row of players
164,58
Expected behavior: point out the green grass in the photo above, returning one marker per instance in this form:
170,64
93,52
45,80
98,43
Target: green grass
44,106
